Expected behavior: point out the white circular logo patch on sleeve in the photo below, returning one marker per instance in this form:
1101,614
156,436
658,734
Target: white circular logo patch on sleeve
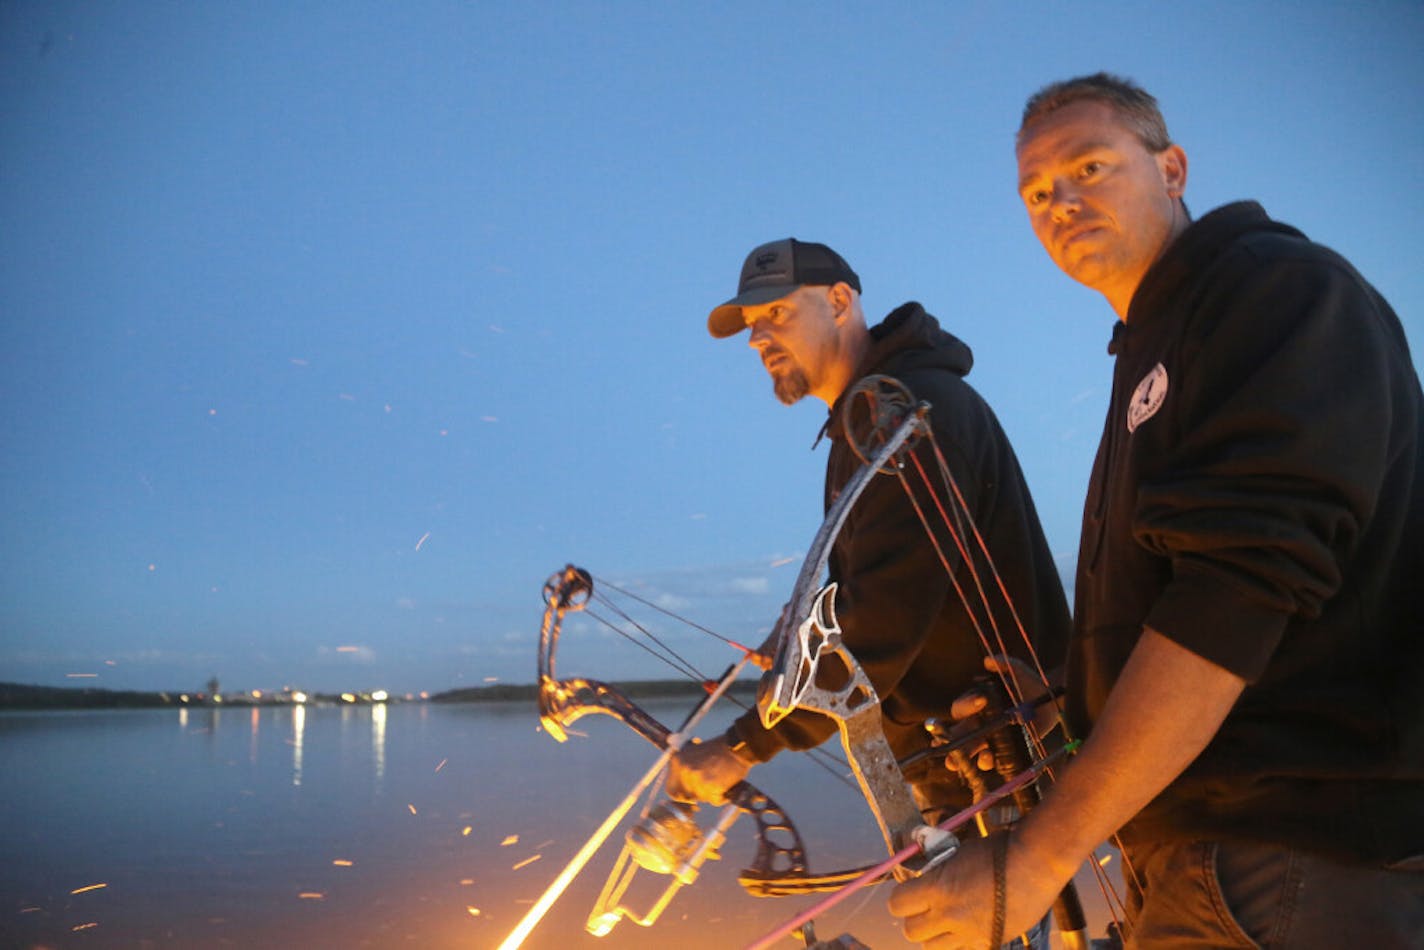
1147,397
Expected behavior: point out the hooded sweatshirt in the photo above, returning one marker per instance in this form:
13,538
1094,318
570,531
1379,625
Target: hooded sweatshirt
899,613
1258,498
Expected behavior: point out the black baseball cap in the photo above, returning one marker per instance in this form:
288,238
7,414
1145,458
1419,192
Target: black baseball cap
774,270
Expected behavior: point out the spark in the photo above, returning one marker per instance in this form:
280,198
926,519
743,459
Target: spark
526,862
782,561
464,882
512,839
82,676
342,863
312,896
423,538
465,833
474,911
348,649
441,765
78,927
90,887
411,807
1104,861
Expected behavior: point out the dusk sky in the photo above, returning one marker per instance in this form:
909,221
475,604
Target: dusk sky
329,330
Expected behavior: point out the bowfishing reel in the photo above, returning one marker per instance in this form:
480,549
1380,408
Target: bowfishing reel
668,841
666,838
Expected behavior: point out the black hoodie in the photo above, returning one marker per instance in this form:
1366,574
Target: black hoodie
898,611
1258,498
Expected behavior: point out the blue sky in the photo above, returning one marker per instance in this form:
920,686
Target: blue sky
331,329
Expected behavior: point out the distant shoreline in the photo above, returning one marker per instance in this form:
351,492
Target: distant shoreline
22,696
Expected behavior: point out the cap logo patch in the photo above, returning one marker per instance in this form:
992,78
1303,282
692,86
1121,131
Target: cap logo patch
1147,398
766,259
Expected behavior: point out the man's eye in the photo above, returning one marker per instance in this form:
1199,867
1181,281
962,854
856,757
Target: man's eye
1090,169
1035,198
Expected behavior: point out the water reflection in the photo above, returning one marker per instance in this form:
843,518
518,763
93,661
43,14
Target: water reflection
299,726
378,741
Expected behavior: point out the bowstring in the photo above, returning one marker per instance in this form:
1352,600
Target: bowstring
962,515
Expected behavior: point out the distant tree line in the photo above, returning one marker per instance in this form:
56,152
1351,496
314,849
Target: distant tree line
18,696
21,696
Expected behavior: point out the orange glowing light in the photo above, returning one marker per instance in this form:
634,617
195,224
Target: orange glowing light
464,882
342,863
465,832
474,911
78,927
1104,861
411,807
90,887
526,862
512,839
312,896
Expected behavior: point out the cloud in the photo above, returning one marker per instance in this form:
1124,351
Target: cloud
750,585
356,653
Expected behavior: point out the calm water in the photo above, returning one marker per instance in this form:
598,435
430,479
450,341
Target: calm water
407,826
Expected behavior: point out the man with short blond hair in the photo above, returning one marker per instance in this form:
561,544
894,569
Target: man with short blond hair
1248,649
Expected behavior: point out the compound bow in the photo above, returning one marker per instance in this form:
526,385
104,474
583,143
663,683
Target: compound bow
669,840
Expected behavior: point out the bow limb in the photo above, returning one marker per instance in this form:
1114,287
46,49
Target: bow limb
562,702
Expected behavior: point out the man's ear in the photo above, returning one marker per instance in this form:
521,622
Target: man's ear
1172,163
839,295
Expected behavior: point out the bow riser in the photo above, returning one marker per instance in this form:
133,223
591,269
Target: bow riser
793,647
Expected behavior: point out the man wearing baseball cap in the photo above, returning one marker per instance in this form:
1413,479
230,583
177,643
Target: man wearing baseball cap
896,605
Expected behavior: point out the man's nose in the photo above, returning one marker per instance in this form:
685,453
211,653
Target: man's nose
1065,202
758,338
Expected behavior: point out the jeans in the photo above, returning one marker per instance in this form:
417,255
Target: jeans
1220,894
